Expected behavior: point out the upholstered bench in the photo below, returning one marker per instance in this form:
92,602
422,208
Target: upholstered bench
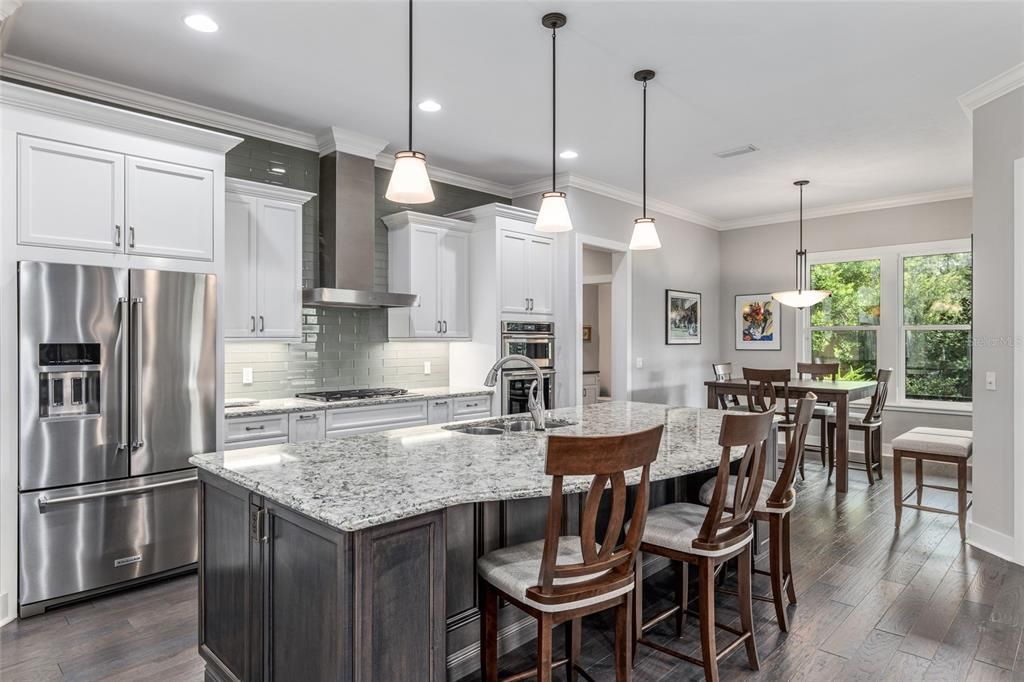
926,443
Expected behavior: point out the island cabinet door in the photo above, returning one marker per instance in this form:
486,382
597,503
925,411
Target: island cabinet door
307,590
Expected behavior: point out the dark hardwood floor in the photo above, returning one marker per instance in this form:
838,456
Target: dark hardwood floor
873,605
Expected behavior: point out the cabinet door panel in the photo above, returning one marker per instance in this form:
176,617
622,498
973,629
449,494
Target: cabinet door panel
455,285
169,210
540,266
426,245
239,311
513,272
278,254
306,426
69,196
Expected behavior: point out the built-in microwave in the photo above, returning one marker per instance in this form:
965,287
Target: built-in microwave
535,340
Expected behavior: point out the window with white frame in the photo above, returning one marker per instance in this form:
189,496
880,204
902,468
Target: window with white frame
906,307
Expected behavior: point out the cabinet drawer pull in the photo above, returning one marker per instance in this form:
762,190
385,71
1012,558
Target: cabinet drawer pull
472,404
307,417
438,329
252,323
131,237
117,235
261,324
440,403
445,330
255,428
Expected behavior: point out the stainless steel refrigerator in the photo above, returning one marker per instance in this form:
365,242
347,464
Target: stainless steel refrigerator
117,381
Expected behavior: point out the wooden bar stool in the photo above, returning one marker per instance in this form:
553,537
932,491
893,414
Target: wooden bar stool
763,396
926,443
774,505
723,372
870,426
820,371
561,579
706,536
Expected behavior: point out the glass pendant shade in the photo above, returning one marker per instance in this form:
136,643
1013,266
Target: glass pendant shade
801,299
554,213
410,183
645,235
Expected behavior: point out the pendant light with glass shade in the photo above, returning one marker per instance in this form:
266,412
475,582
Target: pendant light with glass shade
410,183
803,296
554,212
645,234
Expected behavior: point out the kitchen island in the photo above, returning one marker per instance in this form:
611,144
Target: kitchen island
355,559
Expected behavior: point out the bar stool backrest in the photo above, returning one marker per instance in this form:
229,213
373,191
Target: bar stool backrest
749,431
874,413
782,494
606,459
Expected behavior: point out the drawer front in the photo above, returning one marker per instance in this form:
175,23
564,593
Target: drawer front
470,416
306,426
260,442
347,421
247,429
439,410
472,405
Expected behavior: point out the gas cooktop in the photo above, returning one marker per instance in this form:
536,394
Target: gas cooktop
352,394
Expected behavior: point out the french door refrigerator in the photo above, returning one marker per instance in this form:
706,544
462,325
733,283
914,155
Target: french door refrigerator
117,384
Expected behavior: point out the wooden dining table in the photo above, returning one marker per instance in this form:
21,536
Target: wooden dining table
839,393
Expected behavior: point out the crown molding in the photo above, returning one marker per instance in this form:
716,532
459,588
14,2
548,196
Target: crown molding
612,192
338,139
63,80
495,210
450,177
991,89
28,98
853,207
265,190
403,218
9,7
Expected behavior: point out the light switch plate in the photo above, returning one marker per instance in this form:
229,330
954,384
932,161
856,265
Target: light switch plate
426,366
639,363
247,376
990,381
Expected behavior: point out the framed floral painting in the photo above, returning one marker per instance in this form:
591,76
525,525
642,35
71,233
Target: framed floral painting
682,317
757,322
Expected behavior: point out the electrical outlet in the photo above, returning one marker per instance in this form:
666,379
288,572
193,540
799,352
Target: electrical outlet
639,363
990,381
426,366
247,376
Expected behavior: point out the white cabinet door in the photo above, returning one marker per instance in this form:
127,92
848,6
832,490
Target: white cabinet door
239,311
70,196
169,210
540,263
307,426
278,229
513,272
439,410
454,260
425,318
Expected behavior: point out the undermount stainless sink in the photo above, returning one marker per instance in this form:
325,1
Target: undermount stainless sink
498,427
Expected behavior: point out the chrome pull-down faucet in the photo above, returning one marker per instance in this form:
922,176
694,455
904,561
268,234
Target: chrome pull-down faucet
536,401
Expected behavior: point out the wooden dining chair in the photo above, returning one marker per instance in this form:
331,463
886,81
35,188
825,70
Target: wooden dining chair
561,579
765,395
820,371
707,537
870,425
774,505
723,372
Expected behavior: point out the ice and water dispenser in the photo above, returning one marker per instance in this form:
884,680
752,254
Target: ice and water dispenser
69,380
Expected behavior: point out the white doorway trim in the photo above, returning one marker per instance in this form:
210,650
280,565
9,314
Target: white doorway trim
1018,361
622,313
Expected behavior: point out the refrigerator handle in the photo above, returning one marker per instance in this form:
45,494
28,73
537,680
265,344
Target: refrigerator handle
136,382
124,399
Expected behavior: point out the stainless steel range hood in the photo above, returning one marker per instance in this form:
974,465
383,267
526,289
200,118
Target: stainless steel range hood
347,236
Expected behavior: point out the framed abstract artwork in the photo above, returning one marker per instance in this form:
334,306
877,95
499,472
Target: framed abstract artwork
757,322
682,317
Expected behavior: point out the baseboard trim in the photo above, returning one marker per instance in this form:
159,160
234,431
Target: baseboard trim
991,541
467,660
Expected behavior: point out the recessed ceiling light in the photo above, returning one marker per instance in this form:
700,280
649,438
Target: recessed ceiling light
201,23
568,154
429,105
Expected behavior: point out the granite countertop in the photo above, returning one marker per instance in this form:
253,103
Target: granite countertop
288,405
371,479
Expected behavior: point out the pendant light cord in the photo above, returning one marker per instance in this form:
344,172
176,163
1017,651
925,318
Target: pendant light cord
410,75
801,255
554,90
644,154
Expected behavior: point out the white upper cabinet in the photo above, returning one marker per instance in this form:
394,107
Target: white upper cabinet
169,210
429,256
263,269
69,196
527,273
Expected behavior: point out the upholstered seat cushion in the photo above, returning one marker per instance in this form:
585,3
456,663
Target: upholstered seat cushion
675,527
515,569
936,441
819,410
708,489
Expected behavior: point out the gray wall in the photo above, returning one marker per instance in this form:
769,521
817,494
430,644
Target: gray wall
688,260
760,260
998,142
592,317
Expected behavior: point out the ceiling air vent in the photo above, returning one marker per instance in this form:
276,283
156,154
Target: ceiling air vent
736,151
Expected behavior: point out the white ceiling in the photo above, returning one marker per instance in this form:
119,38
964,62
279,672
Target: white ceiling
859,97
